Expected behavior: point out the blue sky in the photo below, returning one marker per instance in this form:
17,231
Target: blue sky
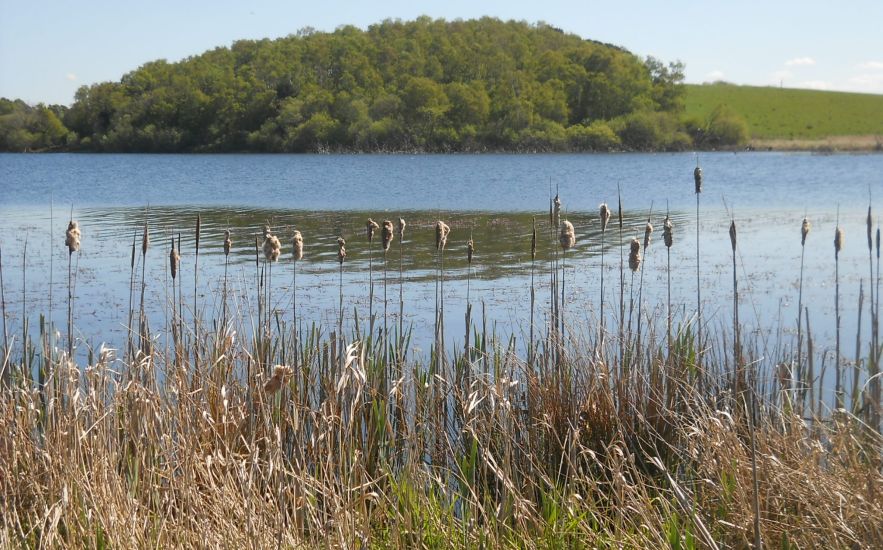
49,48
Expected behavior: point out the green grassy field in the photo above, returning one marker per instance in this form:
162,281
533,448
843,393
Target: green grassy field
777,113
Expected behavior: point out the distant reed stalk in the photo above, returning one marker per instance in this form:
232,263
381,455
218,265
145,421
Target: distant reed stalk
387,233
441,240
228,245
604,214
72,241
668,238
341,257
838,246
805,228
876,387
697,180
297,254
737,356
634,265
621,280
196,317
854,396
5,366
401,229
180,298
145,244
533,257
371,227
174,260
130,346
648,230
874,356
568,240
470,250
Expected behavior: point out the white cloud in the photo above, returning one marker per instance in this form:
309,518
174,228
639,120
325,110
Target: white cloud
71,76
871,66
871,83
814,85
716,74
800,62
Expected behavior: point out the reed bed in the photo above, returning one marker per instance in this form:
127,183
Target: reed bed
358,441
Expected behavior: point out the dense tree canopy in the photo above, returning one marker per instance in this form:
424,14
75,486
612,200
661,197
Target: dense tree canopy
429,84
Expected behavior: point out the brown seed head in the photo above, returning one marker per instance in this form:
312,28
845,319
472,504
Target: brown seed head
174,260
228,244
371,227
145,240
635,254
441,235
402,225
198,229
804,231
878,240
556,211
667,232
533,240
281,374
567,238
605,215
838,241
72,237
387,232
648,229
733,235
272,248
697,179
870,230
341,250
470,249
297,249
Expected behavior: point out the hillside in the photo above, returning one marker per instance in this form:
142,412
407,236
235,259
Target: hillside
791,114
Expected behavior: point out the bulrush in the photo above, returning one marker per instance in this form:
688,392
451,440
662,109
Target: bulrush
371,226
635,255
470,249
556,211
387,233
733,235
605,216
402,225
272,247
228,244
441,235
697,179
174,260
297,250
666,232
72,237
341,250
567,236
648,229
870,225
145,240
838,241
281,374
805,227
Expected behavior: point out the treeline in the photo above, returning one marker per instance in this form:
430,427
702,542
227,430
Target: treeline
425,85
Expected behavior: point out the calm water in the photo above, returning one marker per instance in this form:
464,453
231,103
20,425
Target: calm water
491,197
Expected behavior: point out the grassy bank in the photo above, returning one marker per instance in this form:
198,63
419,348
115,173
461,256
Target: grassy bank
797,119
260,429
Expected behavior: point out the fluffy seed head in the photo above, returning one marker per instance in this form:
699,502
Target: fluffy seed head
648,229
297,250
870,224
556,211
441,235
838,240
733,235
804,231
266,231
145,240
567,236
666,232
371,226
697,179
605,216
387,232
402,225
72,237
228,244
341,250
281,373
174,260
635,254
533,241
272,248
470,249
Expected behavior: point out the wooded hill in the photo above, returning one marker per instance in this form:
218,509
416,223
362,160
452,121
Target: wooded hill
424,85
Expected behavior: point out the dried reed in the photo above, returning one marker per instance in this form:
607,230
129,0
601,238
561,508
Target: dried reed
805,228
697,180
72,241
604,214
668,239
838,246
228,246
567,238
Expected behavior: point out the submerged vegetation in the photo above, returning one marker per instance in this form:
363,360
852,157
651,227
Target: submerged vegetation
427,85
277,432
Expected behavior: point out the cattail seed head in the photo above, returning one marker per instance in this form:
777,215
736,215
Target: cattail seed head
870,224
556,211
648,229
341,250
174,260
667,232
145,240
533,240
567,236
387,232
804,231
402,225
281,373
733,235
878,240
371,227
838,241
697,179
72,237
441,235
605,216
228,244
635,254
470,249
297,250
198,229
272,248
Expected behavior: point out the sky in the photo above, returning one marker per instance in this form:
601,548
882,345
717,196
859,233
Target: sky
49,48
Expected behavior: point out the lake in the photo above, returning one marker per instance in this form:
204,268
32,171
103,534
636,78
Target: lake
492,198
